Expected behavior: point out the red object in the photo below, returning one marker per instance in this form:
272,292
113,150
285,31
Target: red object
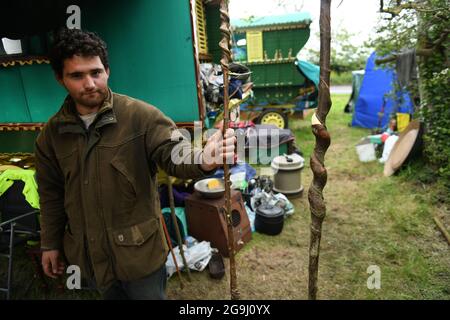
236,125
241,124
384,136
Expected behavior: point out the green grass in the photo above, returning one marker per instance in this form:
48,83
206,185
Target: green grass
371,220
345,78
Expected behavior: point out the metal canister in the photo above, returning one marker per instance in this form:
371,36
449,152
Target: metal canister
287,174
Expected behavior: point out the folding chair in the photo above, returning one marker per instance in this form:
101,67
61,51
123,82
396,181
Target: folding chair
18,225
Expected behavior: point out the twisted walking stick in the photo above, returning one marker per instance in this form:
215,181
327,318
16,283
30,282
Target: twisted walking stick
226,59
315,195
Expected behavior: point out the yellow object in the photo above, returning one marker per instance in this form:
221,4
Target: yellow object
7,167
403,120
201,27
213,184
273,118
23,62
254,46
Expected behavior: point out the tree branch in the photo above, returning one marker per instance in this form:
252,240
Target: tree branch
393,57
423,52
396,10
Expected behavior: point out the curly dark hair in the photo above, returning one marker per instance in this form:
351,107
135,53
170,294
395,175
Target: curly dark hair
70,42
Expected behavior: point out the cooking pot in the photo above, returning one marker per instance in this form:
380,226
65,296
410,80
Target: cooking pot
269,219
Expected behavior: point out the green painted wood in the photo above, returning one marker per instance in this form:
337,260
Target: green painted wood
29,94
275,74
276,82
43,93
151,58
285,40
270,20
13,104
212,14
17,141
151,51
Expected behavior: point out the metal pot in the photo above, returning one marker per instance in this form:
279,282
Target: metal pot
269,219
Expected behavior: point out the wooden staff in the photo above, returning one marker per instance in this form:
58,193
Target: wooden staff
226,59
319,129
166,233
175,222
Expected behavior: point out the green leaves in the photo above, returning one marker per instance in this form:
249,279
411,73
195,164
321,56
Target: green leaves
424,26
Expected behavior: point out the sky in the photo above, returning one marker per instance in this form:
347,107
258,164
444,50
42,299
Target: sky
357,16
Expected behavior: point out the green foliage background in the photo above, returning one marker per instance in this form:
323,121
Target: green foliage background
424,25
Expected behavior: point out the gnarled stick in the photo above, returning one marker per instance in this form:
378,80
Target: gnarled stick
226,59
315,195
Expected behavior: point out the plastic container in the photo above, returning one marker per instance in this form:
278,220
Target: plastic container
366,151
190,241
287,174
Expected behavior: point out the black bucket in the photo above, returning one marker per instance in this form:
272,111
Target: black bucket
269,219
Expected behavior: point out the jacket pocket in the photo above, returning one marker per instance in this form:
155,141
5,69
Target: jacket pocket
135,235
138,250
127,195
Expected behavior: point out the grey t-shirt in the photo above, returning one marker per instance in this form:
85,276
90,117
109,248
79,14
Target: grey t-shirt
88,119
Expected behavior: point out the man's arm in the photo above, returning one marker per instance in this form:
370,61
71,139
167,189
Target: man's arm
175,154
51,193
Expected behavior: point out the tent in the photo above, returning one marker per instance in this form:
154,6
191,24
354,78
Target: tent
357,78
376,102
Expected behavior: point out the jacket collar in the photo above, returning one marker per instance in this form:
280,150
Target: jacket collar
70,122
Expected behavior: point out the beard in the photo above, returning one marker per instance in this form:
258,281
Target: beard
92,99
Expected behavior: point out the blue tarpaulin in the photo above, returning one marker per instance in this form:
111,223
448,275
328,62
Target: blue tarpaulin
376,92
311,71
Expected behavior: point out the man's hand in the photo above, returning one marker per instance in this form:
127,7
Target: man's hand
218,150
52,264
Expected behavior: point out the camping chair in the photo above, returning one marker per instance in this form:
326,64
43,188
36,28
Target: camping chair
18,225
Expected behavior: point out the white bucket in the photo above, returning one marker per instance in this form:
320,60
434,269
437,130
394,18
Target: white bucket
366,152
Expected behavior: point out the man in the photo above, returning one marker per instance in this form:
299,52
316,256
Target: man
96,165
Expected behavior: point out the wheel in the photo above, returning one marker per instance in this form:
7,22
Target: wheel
274,117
